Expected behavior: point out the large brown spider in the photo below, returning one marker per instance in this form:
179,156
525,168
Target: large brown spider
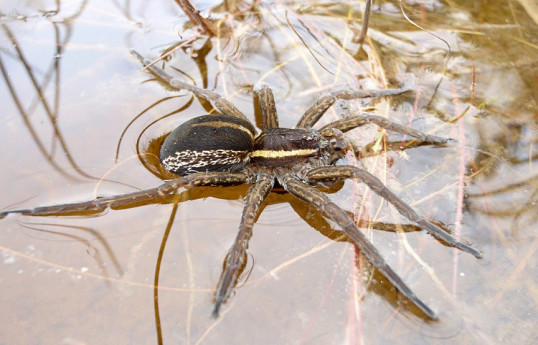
224,149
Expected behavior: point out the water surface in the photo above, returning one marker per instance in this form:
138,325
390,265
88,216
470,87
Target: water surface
79,114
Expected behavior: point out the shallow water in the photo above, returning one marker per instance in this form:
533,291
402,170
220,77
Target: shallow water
79,115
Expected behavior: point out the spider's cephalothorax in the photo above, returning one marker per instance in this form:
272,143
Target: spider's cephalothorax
223,149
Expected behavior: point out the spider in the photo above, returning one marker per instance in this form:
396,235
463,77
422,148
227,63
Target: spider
224,149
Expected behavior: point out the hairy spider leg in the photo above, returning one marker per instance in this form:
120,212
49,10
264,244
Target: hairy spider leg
267,106
316,111
236,258
314,197
124,200
346,171
221,103
355,121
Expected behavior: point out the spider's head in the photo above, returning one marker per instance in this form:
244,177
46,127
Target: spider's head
337,144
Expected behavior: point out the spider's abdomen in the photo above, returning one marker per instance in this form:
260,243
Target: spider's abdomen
208,143
279,147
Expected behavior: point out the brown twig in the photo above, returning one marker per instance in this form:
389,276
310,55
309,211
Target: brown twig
365,21
195,17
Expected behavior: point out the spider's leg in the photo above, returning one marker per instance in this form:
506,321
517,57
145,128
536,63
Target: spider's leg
222,104
346,171
147,195
236,258
352,122
314,113
331,210
267,106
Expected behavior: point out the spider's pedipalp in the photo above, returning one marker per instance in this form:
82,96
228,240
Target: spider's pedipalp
316,111
339,216
236,258
346,171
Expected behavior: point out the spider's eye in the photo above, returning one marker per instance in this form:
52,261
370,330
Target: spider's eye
208,143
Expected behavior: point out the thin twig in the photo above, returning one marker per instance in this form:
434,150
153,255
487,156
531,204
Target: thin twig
195,17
